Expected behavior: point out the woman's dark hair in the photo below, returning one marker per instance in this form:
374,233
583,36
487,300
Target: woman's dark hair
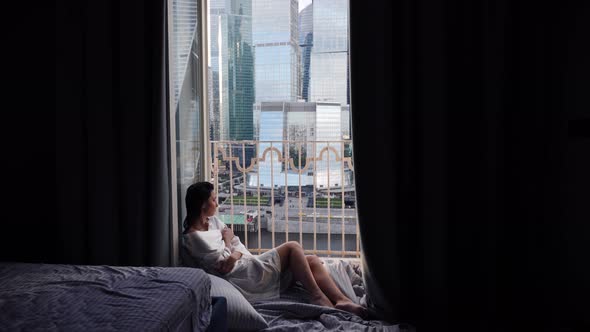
196,196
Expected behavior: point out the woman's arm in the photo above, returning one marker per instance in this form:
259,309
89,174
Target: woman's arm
237,250
231,240
226,232
228,264
227,235
206,249
237,246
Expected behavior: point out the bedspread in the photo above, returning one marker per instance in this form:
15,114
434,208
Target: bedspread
106,298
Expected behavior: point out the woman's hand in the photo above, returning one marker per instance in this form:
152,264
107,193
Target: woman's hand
227,235
228,264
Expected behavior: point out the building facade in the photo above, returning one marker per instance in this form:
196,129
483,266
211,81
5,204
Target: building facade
274,34
232,65
305,46
217,19
329,54
300,130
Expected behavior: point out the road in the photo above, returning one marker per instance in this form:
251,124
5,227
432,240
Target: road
321,240
292,208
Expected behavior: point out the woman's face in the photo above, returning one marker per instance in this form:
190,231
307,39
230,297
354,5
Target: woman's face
211,205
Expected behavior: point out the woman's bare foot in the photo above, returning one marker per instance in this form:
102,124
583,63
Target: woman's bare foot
352,308
322,300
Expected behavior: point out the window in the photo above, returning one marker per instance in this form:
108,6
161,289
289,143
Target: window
274,132
187,93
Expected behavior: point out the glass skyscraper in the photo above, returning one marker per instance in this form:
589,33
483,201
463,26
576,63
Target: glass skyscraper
271,129
275,38
240,69
305,46
328,129
329,55
305,123
274,34
232,73
232,66
265,56
217,19
345,122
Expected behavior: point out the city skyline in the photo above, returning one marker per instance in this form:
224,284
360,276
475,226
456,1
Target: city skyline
279,59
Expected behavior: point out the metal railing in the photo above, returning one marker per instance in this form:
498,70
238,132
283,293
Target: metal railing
314,178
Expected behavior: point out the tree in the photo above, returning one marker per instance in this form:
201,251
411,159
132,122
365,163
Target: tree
347,150
294,153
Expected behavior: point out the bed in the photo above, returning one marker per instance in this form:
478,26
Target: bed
106,298
293,312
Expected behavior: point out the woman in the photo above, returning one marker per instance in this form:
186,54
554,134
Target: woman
212,246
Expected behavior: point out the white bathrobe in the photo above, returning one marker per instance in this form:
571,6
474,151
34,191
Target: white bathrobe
256,277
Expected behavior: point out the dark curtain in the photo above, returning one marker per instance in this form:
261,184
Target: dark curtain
470,127
112,184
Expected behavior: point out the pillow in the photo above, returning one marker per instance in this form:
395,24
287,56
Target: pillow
241,316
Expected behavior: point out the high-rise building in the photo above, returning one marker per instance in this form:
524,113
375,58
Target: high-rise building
239,68
232,73
345,122
329,55
272,128
300,125
232,64
328,134
275,38
213,108
218,120
305,46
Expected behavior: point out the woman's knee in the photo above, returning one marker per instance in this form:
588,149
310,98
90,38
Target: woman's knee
294,245
313,260
289,247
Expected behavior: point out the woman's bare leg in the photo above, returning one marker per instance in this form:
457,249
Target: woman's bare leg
329,287
293,257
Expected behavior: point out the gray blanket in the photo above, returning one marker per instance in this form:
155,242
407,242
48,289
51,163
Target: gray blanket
293,312
284,315
47,297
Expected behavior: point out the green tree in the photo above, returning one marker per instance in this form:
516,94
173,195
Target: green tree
347,150
294,153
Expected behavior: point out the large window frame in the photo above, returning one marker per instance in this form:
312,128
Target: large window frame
201,144
177,208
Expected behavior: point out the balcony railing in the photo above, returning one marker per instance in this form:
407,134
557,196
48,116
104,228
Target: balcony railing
271,192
